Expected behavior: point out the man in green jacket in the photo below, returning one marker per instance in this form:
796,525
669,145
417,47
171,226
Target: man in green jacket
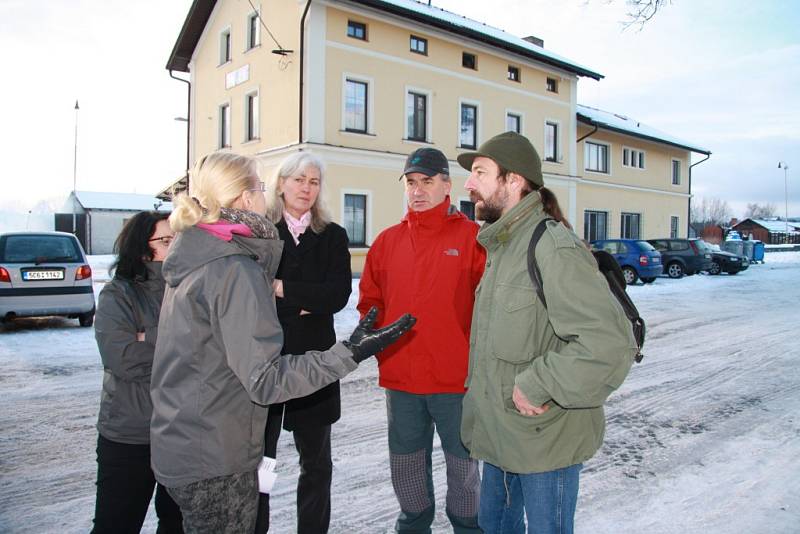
538,376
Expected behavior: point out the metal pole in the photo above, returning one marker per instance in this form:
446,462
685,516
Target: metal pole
75,173
785,167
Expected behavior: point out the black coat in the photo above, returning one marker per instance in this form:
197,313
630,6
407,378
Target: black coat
317,278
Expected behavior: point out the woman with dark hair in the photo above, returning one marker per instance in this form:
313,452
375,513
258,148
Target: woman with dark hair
126,326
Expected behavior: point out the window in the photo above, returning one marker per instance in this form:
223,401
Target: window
467,208
673,227
630,225
513,123
513,73
676,172
355,218
357,30
419,45
469,126
253,31
550,141
469,61
224,126
595,225
596,157
225,46
552,85
417,116
633,158
251,117
355,106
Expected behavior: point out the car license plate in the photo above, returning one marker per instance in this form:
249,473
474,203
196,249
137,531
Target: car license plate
43,275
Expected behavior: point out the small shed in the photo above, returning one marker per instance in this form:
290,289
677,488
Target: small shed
770,231
97,217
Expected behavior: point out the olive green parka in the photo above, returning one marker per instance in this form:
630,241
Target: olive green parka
571,355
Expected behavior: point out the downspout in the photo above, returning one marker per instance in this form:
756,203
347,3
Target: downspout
188,119
689,208
302,56
587,135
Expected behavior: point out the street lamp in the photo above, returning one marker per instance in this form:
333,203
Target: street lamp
785,167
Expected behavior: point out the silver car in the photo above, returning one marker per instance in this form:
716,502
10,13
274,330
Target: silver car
44,273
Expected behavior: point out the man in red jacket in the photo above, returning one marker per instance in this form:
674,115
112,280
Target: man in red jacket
428,265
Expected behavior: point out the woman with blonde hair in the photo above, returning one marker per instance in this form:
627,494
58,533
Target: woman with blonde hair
313,282
218,357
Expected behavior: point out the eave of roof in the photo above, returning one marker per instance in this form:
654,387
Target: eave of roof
199,13
666,140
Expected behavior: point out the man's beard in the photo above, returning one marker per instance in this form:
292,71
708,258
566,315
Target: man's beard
492,207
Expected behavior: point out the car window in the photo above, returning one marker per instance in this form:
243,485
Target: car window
660,245
678,245
609,246
622,248
644,245
703,246
40,248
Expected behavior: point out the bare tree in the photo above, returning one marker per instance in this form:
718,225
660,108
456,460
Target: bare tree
760,211
640,12
710,211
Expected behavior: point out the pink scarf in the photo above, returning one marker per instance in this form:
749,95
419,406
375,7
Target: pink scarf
297,226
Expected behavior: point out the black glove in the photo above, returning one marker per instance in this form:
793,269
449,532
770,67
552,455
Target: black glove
365,341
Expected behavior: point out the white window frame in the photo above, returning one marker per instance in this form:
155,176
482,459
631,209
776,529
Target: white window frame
672,171
677,219
559,155
220,137
256,116
640,154
248,34
428,114
516,113
370,102
367,219
609,157
478,121
622,226
225,59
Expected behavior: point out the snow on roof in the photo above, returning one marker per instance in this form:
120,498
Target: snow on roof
774,226
120,201
627,125
469,25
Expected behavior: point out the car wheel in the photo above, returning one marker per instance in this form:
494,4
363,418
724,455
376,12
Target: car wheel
649,280
86,319
675,270
630,275
715,268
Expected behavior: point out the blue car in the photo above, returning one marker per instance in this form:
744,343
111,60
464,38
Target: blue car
637,258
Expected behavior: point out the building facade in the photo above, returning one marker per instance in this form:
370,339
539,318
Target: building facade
365,82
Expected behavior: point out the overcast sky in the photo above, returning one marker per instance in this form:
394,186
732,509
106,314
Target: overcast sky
721,75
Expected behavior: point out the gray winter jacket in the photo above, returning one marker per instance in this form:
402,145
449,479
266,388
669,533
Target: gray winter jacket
218,359
125,308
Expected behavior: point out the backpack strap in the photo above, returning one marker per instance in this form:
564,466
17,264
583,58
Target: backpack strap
533,266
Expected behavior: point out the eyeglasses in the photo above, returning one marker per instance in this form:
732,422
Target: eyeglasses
260,187
164,239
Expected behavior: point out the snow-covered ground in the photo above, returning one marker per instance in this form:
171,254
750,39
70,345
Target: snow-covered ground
704,436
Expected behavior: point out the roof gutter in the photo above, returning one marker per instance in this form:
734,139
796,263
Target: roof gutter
689,208
302,57
588,134
188,119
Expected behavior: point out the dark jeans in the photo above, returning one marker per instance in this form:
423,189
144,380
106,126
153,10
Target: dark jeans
313,444
125,485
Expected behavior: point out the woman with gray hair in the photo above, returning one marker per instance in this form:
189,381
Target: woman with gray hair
218,356
313,282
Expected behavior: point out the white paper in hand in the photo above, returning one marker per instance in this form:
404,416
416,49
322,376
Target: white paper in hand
266,474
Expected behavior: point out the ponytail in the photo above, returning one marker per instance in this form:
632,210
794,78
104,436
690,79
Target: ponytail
551,207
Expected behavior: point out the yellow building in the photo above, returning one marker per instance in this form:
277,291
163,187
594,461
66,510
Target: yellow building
363,83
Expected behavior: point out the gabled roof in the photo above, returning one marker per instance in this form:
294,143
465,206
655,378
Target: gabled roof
625,125
774,226
199,13
120,201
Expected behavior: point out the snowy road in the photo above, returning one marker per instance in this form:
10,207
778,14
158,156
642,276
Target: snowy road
704,436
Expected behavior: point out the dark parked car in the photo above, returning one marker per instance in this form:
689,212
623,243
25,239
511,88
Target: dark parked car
726,262
682,256
44,273
637,258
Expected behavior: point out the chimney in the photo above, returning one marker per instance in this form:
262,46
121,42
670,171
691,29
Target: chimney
534,40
